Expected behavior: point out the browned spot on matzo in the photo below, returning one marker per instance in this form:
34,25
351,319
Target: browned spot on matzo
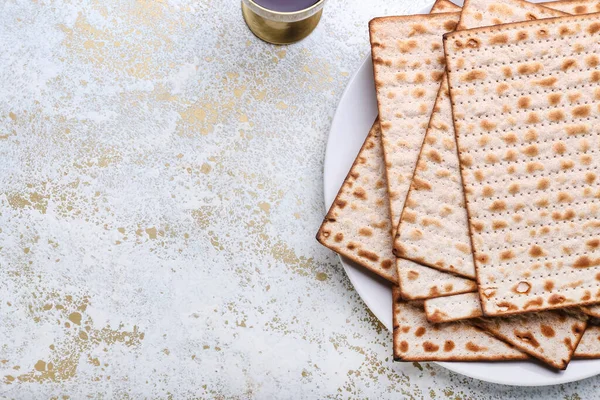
554,98
365,231
450,25
592,61
547,331
568,63
360,193
434,156
546,81
473,76
404,346
527,337
593,28
524,102
531,150
448,345
501,88
498,205
555,299
529,68
488,191
417,29
421,185
593,243
586,262
420,331
499,39
506,255
430,347
409,216
473,347
556,115
533,118
559,148
581,111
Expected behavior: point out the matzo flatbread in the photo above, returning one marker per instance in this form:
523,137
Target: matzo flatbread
589,345
420,282
575,7
433,228
415,339
495,12
526,139
453,308
408,64
549,336
358,225
439,214
444,6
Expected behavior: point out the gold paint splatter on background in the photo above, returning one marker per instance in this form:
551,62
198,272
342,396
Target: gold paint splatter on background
79,338
321,276
299,264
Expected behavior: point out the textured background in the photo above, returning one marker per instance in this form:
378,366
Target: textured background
160,189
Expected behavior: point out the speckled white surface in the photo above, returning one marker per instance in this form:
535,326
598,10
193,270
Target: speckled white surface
160,189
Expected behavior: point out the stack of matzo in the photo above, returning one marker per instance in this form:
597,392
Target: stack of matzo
475,192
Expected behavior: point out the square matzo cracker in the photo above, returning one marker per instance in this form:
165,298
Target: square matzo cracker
525,99
408,64
575,7
550,336
416,339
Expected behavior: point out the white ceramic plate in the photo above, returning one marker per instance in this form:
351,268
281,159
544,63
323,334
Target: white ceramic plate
354,117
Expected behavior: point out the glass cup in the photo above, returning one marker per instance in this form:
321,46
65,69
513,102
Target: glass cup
282,27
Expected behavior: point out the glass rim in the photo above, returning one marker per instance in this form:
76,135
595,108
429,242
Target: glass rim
289,13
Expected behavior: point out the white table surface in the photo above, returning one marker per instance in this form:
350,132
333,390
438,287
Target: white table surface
160,190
